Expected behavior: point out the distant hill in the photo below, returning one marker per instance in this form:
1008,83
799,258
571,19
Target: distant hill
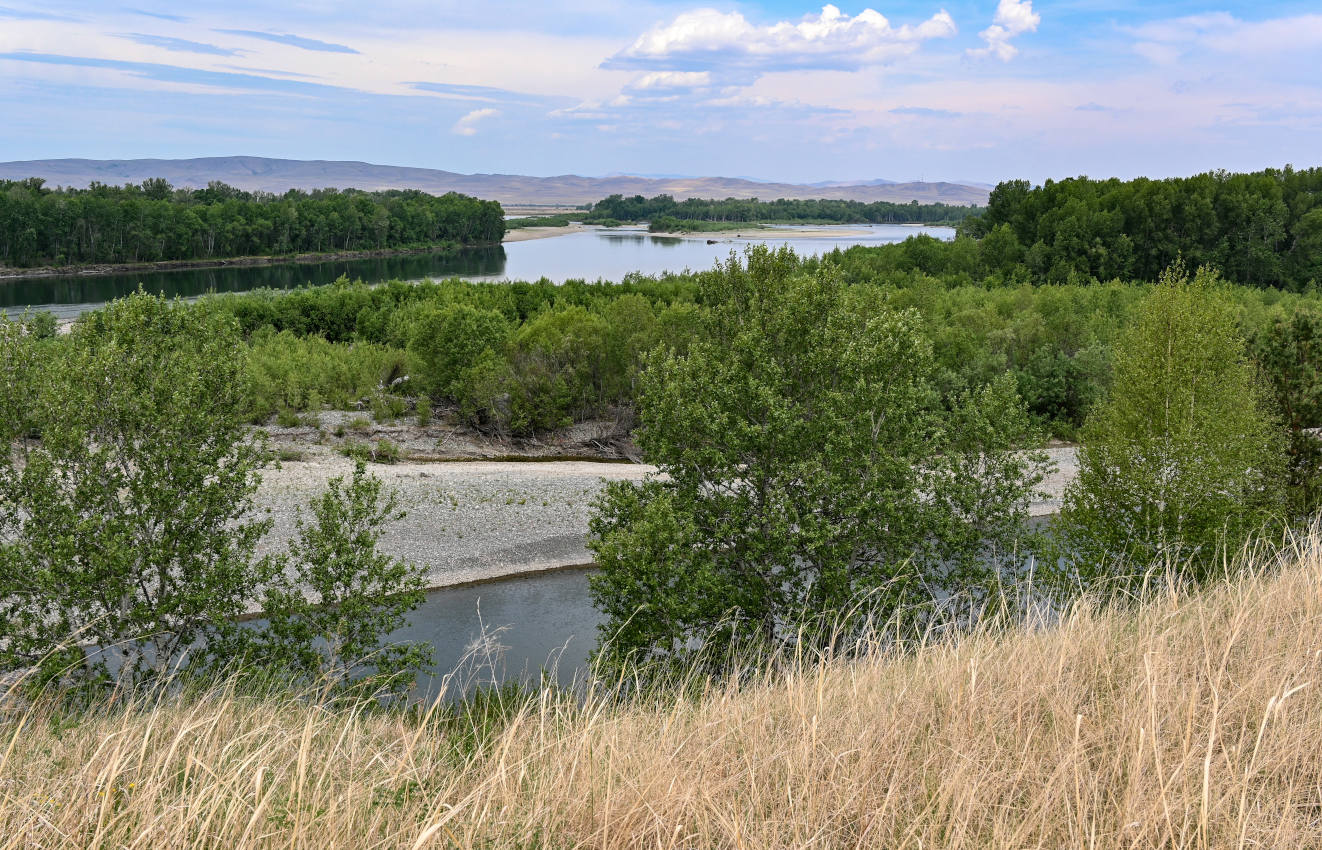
279,175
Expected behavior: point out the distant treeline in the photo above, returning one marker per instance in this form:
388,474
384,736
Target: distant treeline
154,221
638,208
1260,229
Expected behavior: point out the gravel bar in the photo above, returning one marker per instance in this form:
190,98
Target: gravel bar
477,520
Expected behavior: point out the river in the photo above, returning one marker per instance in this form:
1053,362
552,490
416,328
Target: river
511,627
593,254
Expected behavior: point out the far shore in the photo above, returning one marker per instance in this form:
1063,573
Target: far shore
524,234
763,231
7,273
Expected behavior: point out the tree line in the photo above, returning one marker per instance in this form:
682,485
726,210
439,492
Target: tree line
638,208
154,221
1258,229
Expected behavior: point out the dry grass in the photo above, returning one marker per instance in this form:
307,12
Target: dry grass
1191,722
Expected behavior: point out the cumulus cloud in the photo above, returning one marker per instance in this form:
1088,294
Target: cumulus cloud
709,39
1013,18
671,80
467,126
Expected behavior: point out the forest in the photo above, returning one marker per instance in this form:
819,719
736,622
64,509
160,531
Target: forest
638,208
1259,229
154,221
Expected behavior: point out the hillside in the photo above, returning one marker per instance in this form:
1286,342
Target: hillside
1187,722
278,175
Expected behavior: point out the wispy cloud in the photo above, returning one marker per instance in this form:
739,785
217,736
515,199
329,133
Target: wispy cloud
924,112
158,15
181,45
1165,41
31,15
176,73
293,41
487,94
467,126
1013,18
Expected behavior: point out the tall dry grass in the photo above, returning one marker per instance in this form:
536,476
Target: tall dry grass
1187,722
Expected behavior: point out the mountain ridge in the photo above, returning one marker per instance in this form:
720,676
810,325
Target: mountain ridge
279,175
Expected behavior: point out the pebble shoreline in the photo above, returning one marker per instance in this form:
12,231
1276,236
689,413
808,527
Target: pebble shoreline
478,520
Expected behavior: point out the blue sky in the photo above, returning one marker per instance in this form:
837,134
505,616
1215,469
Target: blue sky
909,89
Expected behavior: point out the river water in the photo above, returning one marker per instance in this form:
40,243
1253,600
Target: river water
594,254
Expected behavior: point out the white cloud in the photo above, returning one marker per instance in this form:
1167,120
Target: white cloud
1013,18
671,80
708,38
467,126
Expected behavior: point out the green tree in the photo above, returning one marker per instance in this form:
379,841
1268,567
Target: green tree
1184,459
1289,352
807,465
130,522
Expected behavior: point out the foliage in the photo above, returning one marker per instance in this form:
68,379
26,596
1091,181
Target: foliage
288,372
336,597
1183,460
444,342
129,523
807,466
638,208
559,220
153,222
1289,356
1259,229
670,224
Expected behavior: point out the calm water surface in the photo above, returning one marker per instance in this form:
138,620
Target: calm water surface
596,254
512,628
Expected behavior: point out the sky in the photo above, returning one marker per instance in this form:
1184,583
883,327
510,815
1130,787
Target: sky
965,90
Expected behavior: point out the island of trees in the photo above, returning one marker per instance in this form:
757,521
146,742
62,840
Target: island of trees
154,221
785,211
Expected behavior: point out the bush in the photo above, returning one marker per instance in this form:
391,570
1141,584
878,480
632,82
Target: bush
807,466
444,342
288,372
336,597
557,371
131,523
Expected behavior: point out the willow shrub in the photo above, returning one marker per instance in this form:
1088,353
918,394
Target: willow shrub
289,372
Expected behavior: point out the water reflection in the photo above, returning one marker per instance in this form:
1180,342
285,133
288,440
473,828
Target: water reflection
592,255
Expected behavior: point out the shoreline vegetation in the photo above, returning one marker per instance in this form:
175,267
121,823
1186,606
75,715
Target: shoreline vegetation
155,222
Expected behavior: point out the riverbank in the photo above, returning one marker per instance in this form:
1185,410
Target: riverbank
7,273
767,231
525,234
472,519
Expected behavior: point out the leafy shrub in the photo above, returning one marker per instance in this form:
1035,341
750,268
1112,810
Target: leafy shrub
335,597
131,524
1183,460
444,342
285,371
557,371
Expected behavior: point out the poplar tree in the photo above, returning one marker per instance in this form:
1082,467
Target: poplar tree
1184,460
